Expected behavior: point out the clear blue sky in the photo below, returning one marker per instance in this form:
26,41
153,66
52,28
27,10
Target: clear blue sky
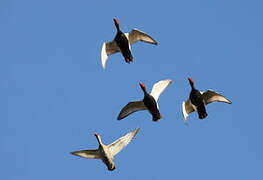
54,94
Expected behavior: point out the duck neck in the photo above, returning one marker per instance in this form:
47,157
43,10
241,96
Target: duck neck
144,91
99,139
118,28
192,86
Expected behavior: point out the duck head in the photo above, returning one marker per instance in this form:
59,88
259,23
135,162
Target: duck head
191,82
143,87
116,22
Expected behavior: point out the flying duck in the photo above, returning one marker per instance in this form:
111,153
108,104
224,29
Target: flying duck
107,152
198,100
149,101
122,43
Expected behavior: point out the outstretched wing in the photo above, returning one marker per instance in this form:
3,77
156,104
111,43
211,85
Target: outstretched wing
212,96
120,143
108,48
91,154
187,108
159,87
137,35
130,108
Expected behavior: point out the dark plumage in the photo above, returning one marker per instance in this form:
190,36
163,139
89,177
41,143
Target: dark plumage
151,104
197,100
123,43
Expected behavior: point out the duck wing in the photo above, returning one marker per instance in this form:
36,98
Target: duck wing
122,142
91,154
212,96
137,35
108,48
159,87
187,108
130,108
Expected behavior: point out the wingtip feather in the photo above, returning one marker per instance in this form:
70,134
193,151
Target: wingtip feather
119,117
73,153
229,102
136,131
104,55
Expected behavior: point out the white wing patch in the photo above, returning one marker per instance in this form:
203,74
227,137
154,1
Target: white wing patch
159,87
104,56
107,49
127,36
120,143
187,108
185,114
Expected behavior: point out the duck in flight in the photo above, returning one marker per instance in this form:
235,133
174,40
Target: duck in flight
149,101
107,152
122,43
198,100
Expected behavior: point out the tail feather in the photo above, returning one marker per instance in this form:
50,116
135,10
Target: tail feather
128,56
157,117
201,112
111,168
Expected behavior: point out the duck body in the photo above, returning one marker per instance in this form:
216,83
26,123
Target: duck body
149,101
106,153
123,44
197,100
152,107
107,157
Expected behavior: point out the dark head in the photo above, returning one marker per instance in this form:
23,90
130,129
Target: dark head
143,87
191,82
116,22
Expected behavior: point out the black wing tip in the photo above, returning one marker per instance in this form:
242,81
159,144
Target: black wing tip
154,42
119,117
73,153
228,101
136,130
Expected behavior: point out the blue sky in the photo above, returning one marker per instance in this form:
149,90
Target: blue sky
55,95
